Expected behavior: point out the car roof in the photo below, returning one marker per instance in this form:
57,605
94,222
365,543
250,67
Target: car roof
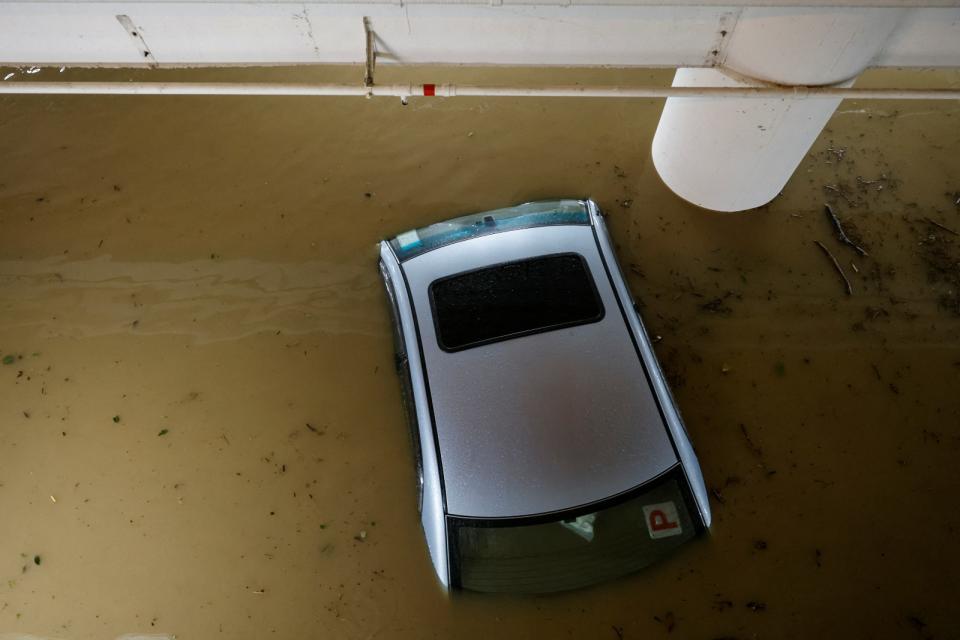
543,422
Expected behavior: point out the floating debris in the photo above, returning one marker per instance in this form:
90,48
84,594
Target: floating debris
940,226
916,622
9,359
841,234
836,265
838,152
163,432
116,419
723,604
880,182
716,306
9,75
941,258
841,192
668,621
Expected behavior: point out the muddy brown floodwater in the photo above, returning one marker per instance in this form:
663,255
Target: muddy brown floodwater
201,433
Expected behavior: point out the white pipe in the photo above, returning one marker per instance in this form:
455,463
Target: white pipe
450,90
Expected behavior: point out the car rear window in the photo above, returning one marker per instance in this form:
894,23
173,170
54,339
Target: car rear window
573,552
513,299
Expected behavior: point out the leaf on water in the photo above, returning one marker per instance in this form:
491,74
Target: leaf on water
163,432
116,418
9,359
37,560
780,368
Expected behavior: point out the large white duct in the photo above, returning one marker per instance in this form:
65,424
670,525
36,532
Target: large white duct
737,154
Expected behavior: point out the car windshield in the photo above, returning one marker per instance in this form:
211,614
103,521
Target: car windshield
513,299
578,551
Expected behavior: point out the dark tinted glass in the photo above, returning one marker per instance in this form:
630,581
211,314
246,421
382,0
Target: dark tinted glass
513,299
575,552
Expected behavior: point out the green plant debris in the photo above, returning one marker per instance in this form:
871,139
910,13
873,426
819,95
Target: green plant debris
9,358
116,418
37,560
163,432
780,368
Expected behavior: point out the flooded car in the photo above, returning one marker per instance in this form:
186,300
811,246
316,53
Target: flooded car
550,454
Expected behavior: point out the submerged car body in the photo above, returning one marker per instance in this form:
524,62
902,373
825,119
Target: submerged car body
550,453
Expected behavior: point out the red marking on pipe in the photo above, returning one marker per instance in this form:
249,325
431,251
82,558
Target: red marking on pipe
429,89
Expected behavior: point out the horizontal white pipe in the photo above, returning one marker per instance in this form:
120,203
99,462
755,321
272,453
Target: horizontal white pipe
450,90
868,4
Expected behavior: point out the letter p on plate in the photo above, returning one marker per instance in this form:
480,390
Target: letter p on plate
662,520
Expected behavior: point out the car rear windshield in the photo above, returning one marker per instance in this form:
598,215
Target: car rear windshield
411,244
513,299
574,552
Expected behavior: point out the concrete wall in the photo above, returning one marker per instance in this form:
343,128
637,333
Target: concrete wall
254,33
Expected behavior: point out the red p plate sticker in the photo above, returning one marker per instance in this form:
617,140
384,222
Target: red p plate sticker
662,520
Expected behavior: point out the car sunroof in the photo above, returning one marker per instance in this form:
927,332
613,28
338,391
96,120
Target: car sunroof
513,299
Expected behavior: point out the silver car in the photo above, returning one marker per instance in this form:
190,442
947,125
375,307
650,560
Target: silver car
550,453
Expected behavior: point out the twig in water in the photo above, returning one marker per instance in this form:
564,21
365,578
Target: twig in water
940,226
839,190
841,234
836,265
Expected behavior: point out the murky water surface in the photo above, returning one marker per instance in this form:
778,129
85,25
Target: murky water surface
187,283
